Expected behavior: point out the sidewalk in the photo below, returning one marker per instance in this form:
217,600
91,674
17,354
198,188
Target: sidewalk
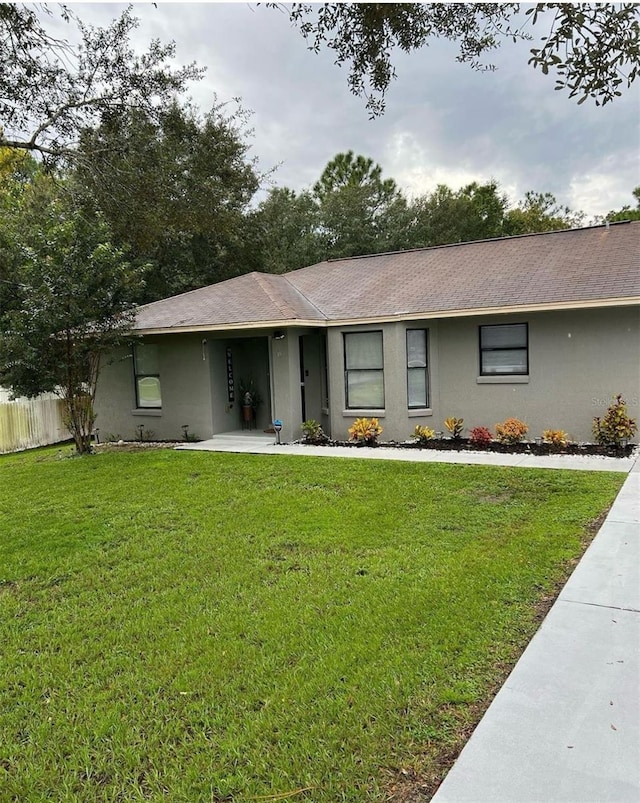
259,443
565,727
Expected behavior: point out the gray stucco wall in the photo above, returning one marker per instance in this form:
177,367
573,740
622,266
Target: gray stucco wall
185,387
285,367
193,381
578,360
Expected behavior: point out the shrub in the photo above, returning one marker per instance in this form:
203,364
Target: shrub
556,437
480,436
616,424
312,431
511,431
423,434
365,430
454,425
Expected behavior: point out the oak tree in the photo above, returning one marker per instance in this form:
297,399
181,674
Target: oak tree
592,49
51,89
174,187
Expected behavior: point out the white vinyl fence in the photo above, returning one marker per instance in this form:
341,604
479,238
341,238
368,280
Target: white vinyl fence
25,423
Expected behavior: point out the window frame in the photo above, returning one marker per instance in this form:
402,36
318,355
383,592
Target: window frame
347,370
484,349
137,376
424,368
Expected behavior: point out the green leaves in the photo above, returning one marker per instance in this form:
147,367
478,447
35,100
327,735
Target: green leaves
50,90
626,213
352,210
589,46
71,300
174,187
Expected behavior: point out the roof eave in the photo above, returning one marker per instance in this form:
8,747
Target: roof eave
227,327
478,311
624,301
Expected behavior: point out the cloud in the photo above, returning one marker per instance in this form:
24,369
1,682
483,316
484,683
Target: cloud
445,123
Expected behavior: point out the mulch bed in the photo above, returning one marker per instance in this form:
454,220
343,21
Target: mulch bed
437,444
463,445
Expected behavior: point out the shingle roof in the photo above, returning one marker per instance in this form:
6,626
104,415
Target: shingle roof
253,297
568,267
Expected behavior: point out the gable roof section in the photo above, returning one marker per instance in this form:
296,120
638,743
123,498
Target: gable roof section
578,268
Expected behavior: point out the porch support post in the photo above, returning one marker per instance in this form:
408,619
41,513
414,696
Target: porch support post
285,378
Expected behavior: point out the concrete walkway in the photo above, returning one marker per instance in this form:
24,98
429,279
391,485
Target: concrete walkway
565,727
252,442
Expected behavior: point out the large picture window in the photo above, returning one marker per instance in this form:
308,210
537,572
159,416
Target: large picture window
364,373
417,369
504,349
147,376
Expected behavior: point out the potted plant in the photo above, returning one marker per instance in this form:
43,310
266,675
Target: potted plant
250,400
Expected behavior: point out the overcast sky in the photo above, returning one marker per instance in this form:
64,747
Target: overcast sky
444,122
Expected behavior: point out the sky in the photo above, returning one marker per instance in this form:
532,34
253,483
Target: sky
444,122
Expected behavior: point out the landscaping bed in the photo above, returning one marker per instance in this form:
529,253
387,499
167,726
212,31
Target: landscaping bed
465,445
613,434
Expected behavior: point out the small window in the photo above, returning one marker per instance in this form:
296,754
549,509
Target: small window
147,376
364,374
417,369
504,349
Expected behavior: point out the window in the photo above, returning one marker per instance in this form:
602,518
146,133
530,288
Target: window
147,376
364,374
504,349
417,369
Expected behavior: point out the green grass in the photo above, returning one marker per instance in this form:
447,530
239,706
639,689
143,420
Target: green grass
204,627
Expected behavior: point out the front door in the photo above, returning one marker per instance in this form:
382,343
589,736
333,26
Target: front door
313,394
304,373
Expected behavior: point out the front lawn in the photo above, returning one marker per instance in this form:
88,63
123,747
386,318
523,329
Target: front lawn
190,626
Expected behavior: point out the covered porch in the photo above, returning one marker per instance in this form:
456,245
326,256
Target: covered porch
285,372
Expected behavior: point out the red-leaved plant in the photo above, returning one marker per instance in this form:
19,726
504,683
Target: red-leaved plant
480,436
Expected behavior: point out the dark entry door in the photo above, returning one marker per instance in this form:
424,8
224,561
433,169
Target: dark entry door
304,372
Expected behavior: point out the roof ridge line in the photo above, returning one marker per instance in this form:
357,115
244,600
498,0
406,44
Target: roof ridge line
606,225
280,303
299,291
